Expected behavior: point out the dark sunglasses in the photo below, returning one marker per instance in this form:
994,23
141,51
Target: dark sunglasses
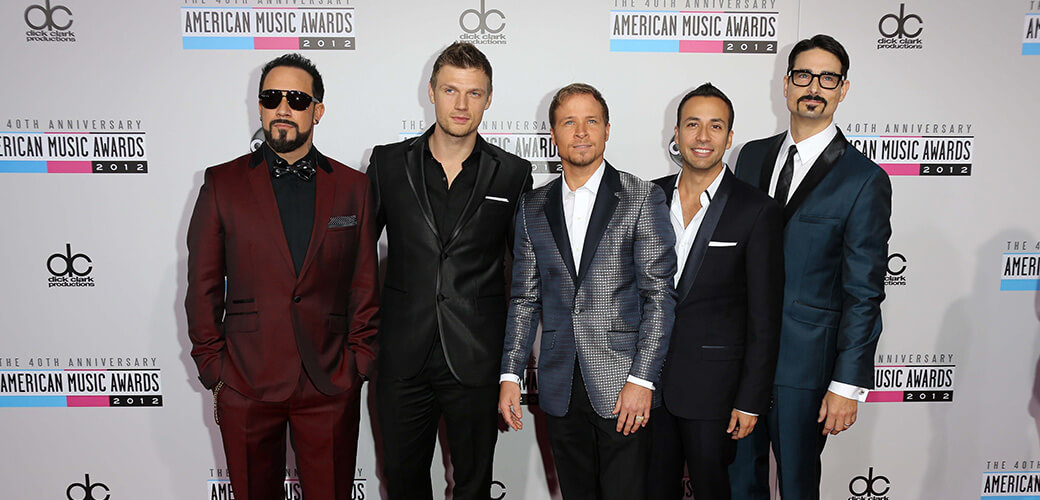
298,100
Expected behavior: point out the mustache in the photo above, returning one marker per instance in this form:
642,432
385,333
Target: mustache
287,122
813,98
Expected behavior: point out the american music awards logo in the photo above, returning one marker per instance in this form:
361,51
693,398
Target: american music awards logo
913,378
482,25
268,25
49,22
218,486
1031,33
695,26
73,146
77,382
1020,270
1011,479
926,149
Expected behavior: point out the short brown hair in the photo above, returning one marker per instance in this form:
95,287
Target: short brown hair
574,89
461,55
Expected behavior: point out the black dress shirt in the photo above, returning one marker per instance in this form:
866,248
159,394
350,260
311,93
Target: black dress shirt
447,203
295,198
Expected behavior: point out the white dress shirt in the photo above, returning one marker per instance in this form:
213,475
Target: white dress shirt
685,234
577,209
808,151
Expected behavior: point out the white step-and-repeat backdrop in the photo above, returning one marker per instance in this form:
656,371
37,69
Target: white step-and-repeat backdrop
110,111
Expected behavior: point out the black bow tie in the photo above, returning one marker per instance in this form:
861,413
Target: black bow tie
303,169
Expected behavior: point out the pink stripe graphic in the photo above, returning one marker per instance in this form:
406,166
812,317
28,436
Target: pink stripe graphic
901,168
710,46
276,43
885,397
68,167
86,401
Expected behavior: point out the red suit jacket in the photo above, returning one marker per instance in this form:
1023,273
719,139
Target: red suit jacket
268,323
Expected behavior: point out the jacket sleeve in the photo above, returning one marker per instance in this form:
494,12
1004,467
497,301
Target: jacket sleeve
525,302
204,301
654,259
864,259
364,291
764,266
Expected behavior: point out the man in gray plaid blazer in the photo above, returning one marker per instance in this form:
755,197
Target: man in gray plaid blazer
593,260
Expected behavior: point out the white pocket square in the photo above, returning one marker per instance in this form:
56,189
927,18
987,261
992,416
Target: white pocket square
496,198
722,243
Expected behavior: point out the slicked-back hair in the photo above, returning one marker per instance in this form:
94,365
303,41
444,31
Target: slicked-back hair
294,60
575,89
821,41
461,55
705,90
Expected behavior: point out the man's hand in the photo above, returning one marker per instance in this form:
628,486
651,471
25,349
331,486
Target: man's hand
839,413
509,404
740,424
633,408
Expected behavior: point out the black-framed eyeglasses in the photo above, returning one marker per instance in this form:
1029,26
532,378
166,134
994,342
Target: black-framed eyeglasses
828,80
298,100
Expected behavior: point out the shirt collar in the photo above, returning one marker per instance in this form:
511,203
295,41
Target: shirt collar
592,184
471,160
812,146
708,193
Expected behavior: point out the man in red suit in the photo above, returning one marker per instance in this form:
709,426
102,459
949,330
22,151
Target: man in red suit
290,336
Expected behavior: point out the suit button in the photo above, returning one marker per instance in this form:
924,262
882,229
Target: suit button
440,297
297,299
577,310
444,255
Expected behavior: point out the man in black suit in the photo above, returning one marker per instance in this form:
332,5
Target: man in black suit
718,374
447,200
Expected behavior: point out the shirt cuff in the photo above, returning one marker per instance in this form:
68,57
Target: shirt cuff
746,412
640,382
509,377
848,391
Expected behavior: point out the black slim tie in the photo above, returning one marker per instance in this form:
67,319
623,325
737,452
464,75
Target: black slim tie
783,184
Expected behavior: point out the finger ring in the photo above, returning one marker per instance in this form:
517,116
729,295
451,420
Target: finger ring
848,425
640,418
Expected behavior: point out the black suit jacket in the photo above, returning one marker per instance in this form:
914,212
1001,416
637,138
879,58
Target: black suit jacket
458,288
727,318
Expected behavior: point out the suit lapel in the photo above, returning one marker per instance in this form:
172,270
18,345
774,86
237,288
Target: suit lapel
417,179
704,234
824,164
263,192
668,185
485,173
558,224
324,196
602,212
769,163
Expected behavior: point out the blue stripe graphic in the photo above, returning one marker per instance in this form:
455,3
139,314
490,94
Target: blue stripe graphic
23,166
1019,286
218,42
644,46
1031,49
32,401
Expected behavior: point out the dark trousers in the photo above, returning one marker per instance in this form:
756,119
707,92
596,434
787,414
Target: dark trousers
324,435
594,460
703,445
797,442
409,414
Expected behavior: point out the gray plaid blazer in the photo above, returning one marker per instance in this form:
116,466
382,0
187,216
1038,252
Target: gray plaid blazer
613,310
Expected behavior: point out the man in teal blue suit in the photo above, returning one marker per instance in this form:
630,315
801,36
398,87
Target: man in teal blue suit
837,204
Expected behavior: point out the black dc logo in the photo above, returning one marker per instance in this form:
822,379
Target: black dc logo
66,264
501,488
902,24
87,490
482,20
673,152
257,140
869,484
50,20
900,266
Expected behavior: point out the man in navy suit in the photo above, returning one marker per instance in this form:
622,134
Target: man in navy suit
837,206
730,281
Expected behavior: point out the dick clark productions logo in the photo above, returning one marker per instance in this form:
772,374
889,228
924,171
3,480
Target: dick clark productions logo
87,490
70,270
900,31
869,486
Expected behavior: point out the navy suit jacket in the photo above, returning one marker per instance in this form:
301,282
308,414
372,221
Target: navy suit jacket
837,226
723,349
613,310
